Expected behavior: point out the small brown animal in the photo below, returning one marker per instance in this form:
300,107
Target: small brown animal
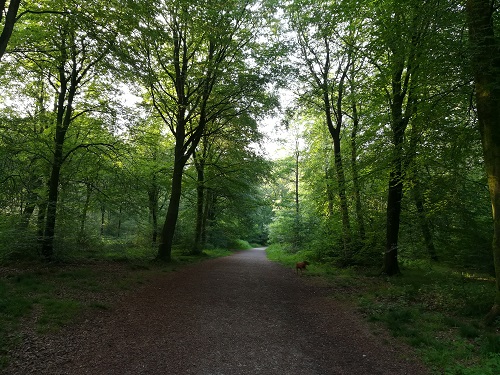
301,266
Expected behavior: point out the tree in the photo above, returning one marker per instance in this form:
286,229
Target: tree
404,28
485,48
228,175
68,53
190,48
8,17
318,36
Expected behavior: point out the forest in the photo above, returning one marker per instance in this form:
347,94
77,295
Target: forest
137,127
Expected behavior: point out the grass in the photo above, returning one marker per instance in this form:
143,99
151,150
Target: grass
47,297
436,309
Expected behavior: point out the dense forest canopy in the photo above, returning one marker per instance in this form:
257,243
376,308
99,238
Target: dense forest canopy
135,123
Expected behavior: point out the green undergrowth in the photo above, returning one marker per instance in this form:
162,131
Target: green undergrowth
436,309
45,297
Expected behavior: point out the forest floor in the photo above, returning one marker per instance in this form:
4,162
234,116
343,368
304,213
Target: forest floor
241,314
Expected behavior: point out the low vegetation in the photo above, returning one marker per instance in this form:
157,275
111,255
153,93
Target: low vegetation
436,309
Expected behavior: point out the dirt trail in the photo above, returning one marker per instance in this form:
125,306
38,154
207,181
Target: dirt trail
235,315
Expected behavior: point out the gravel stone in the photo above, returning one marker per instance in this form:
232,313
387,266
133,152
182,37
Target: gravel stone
235,315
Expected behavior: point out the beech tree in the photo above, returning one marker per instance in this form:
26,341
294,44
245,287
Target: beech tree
66,51
485,52
328,61
8,17
189,48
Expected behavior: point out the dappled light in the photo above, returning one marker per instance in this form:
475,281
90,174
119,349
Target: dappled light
356,143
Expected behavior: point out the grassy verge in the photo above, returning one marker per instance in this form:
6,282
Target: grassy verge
41,298
435,309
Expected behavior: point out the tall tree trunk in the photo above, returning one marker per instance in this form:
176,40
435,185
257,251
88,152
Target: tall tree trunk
297,158
168,230
83,219
297,230
395,191
29,208
355,175
486,66
64,117
395,195
10,20
208,214
329,188
103,219
344,209
119,227
412,169
53,187
334,128
402,100
185,141
200,204
153,194
425,225
40,220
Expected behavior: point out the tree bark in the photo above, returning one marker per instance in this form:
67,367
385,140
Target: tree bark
355,175
168,230
395,191
334,128
405,63
53,187
200,204
425,225
395,195
208,215
153,193
486,66
103,219
297,230
67,92
83,219
10,20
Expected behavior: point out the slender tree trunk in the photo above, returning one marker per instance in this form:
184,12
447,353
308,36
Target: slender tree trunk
391,265
103,219
297,230
297,156
339,169
329,187
486,67
153,194
83,219
334,128
355,176
64,114
425,224
200,203
50,219
395,192
207,214
40,220
29,208
344,210
119,227
411,167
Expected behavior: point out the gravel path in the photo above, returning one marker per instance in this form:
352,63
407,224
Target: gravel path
235,315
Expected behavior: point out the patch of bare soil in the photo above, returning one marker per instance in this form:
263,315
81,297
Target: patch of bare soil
236,315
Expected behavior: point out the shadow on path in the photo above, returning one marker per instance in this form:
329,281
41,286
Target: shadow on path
235,315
